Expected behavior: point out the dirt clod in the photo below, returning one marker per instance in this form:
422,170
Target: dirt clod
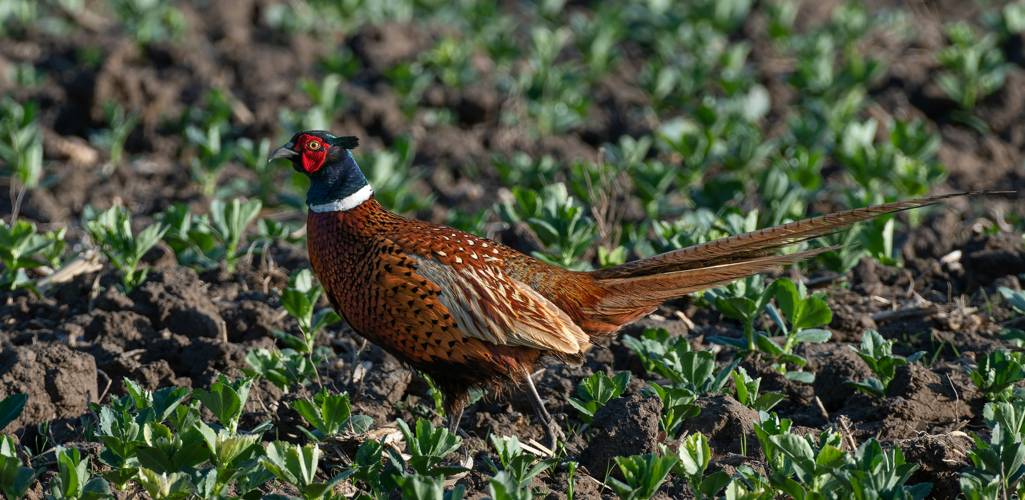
725,422
625,426
59,382
177,300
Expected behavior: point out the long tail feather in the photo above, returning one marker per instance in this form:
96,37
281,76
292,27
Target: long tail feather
627,295
634,289
762,242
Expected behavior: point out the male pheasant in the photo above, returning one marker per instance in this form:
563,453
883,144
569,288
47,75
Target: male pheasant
471,312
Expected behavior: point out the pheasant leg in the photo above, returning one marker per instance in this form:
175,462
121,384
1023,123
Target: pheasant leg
454,416
552,430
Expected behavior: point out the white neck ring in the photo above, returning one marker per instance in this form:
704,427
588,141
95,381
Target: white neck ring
348,203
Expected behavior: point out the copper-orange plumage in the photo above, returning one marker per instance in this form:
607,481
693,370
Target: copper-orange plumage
472,312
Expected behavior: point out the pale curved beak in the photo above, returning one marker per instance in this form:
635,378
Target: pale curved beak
285,151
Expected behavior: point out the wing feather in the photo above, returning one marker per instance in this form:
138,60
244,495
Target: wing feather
490,305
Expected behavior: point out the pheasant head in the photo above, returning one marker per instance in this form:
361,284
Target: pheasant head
336,181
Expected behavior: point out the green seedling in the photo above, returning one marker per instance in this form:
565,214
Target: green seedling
559,222
166,486
471,222
902,167
596,391
749,484
229,222
253,155
642,475
233,456
21,149
368,467
803,315
330,415
297,466
420,487
781,19
877,352
997,373
879,473
24,75
815,72
410,80
783,197
802,467
190,236
214,111
328,18
673,359
571,479
434,390
694,456
503,486
718,135
23,248
139,446
748,395
973,66
211,156
207,241
450,60
392,173
802,165
111,231
1008,415
15,478
149,21
998,464
677,406
154,406
284,368
850,250
327,101
522,170
611,257
428,446
652,181
121,124
164,451
653,344
226,399
519,467
300,300
598,39
120,434
269,231
378,468
557,98
691,228
743,301
17,15
1011,20
73,480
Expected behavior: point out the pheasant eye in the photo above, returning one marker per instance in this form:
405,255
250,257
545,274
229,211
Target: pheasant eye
313,145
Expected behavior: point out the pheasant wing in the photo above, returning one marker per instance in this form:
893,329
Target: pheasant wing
492,306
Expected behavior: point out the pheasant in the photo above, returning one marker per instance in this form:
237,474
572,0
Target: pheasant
471,312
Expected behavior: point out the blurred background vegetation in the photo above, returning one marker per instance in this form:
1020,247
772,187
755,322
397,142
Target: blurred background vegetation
605,131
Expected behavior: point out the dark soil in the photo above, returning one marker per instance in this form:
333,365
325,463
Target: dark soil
74,345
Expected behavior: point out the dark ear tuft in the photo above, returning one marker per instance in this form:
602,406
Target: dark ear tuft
347,142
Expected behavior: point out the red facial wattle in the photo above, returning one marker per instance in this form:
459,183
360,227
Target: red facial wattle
313,151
